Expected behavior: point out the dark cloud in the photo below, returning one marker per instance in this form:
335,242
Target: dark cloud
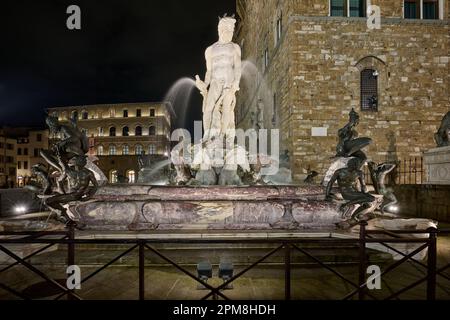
127,51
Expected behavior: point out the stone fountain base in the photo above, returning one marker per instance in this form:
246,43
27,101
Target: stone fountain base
140,208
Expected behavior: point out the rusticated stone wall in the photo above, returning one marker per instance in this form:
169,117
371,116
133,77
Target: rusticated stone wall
313,78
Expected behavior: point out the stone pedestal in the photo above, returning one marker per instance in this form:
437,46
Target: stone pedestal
437,166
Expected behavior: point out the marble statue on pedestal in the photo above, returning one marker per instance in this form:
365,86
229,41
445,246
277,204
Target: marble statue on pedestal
223,75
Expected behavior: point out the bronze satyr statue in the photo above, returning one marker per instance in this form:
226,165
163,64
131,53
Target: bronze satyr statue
74,182
78,188
442,137
379,173
347,179
349,144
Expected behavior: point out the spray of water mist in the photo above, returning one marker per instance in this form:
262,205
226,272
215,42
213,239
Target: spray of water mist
179,96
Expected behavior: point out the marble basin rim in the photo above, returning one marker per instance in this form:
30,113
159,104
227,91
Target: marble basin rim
146,208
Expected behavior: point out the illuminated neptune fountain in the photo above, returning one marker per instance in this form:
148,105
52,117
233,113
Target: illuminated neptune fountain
217,182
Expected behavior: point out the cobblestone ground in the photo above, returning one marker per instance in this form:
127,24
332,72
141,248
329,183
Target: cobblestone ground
263,283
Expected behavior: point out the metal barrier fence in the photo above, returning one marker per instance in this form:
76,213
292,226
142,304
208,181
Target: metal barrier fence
288,246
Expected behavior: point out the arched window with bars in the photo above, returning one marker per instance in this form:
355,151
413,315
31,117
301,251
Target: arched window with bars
369,90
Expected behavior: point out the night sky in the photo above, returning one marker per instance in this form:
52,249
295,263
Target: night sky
126,51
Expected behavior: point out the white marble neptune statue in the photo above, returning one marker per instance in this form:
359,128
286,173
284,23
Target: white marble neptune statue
223,63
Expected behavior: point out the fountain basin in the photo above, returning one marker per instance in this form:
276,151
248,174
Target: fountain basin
141,208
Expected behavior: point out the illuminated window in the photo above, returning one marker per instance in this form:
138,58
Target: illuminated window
112,150
126,150
139,150
113,176
152,149
100,150
131,175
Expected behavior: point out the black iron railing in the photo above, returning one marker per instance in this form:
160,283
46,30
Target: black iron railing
288,246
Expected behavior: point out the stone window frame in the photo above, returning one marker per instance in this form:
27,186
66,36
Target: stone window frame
112,131
74,115
150,130
84,115
377,64
138,129
439,15
125,133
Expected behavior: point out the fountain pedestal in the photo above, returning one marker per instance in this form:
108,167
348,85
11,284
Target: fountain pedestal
437,163
140,208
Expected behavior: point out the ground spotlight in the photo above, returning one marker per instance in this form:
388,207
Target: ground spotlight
20,209
394,209
204,272
226,271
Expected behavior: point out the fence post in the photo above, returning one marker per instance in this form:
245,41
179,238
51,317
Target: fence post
141,271
70,249
362,259
432,265
287,270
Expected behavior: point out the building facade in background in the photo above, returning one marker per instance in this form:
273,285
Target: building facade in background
7,160
28,148
120,134
307,63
